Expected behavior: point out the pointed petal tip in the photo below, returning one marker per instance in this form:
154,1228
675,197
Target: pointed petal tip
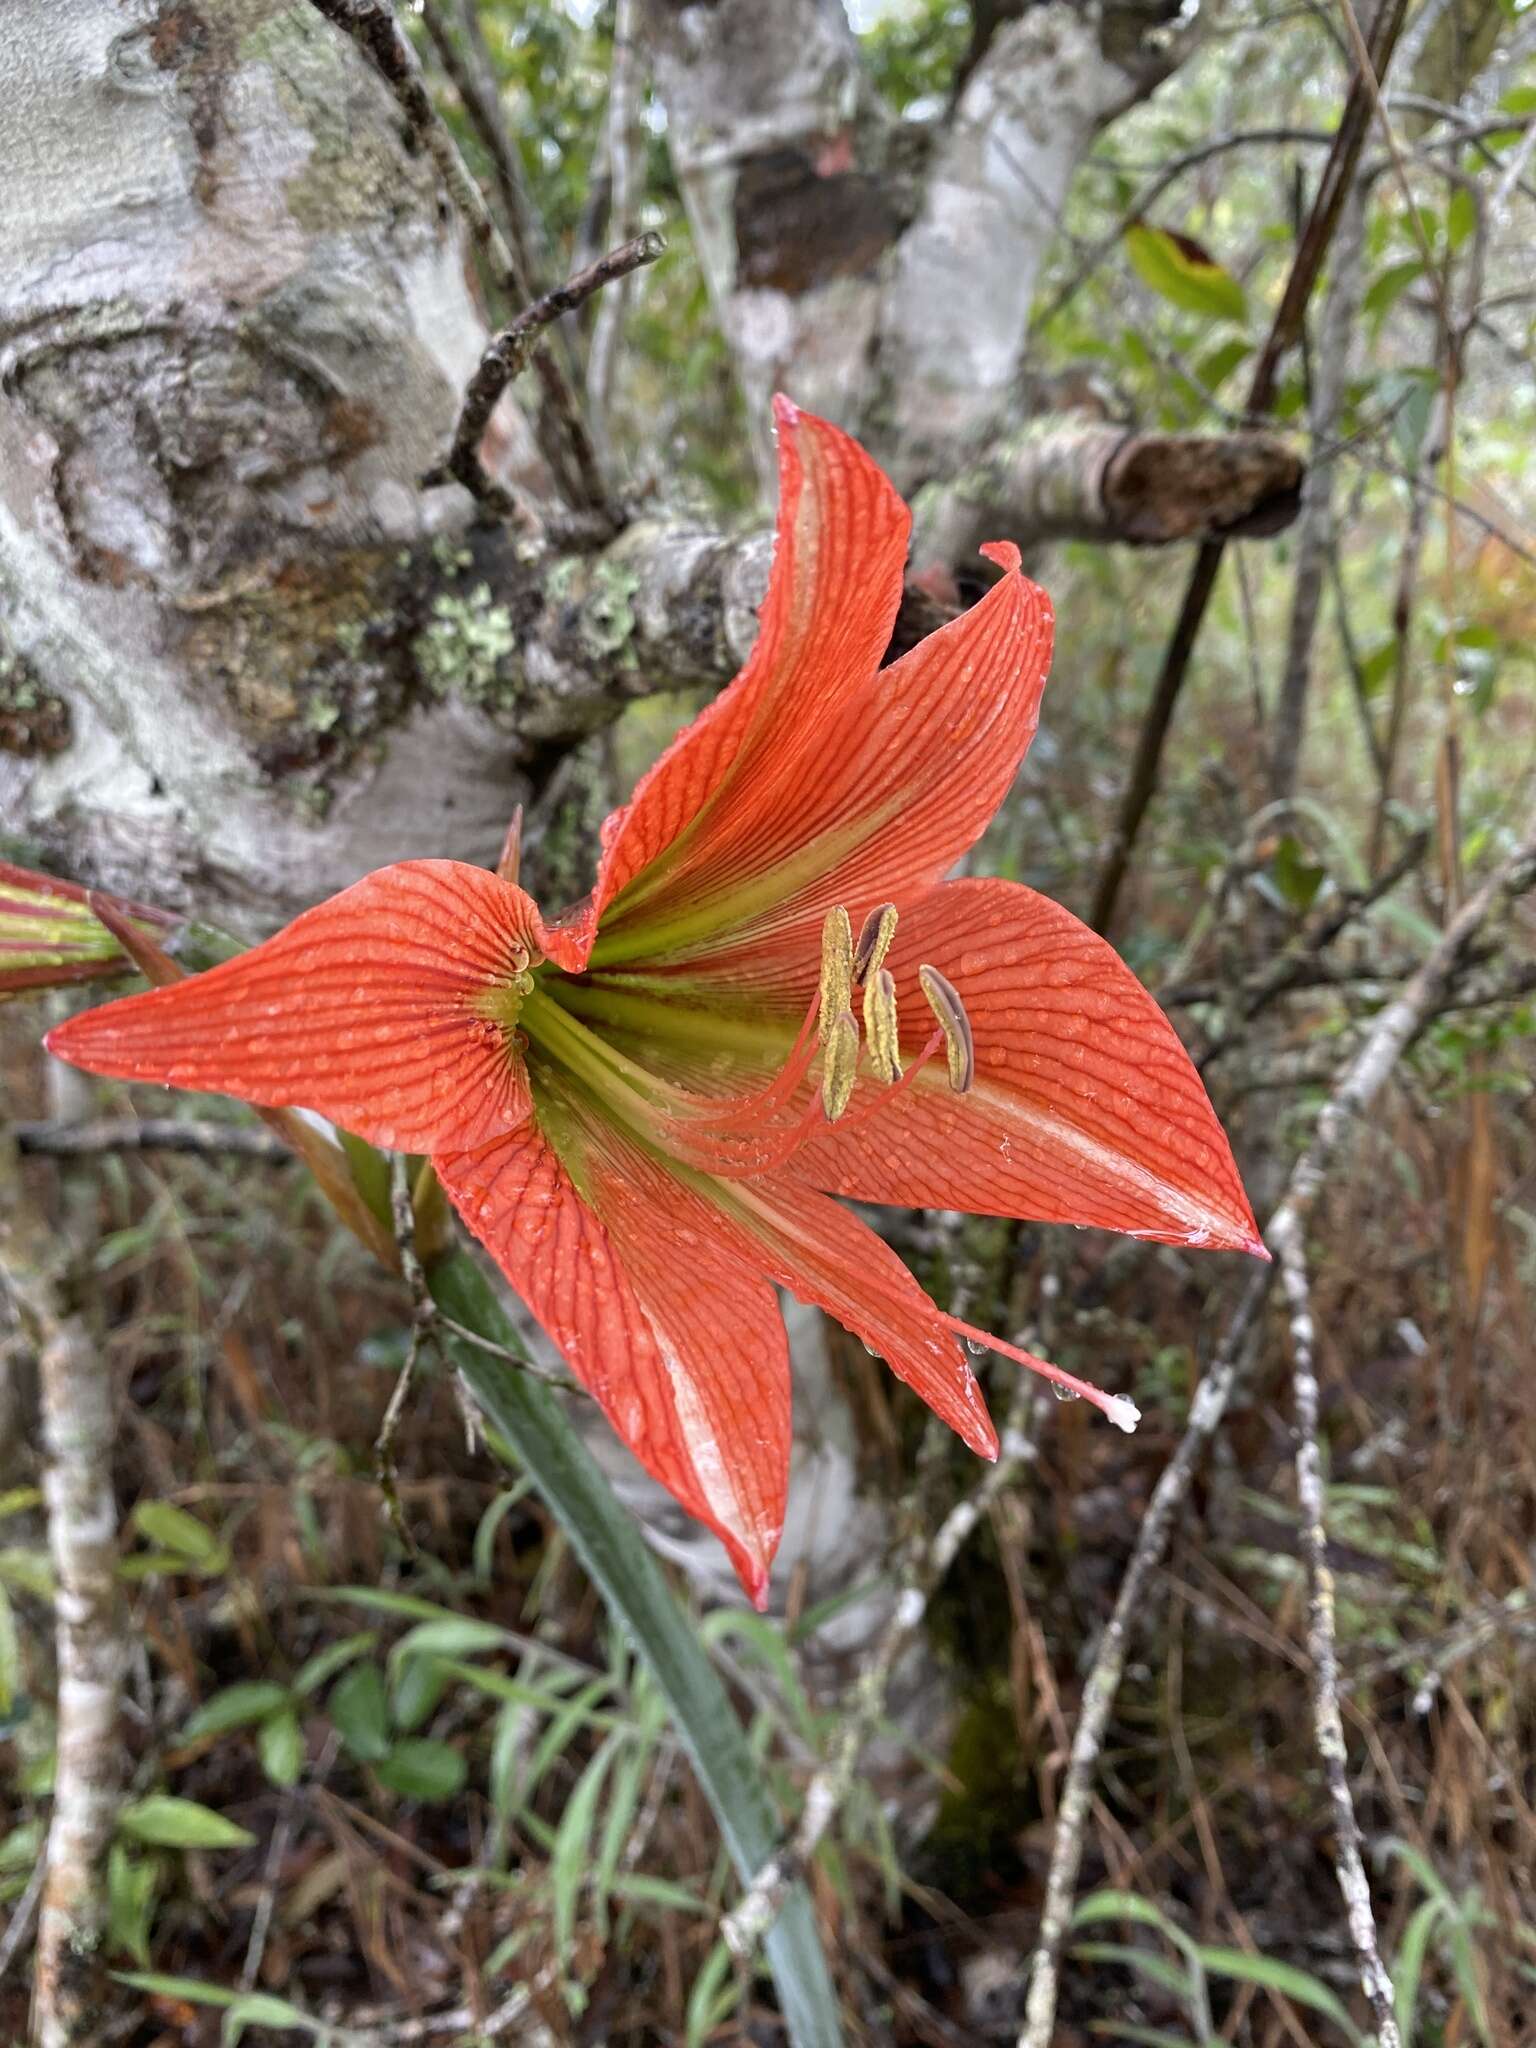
1258,1248
753,1568
785,411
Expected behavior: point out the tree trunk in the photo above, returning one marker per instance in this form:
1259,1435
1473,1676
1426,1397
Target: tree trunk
234,322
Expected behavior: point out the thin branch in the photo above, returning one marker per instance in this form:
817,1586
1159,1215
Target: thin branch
1288,1235
371,25
625,147
148,1134
1337,176
1393,1030
508,353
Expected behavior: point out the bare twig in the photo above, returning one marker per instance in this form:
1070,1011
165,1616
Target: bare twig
1337,175
423,1316
371,25
147,1134
1288,1236
625,146
1391,1034
508,353
477,95
19,1927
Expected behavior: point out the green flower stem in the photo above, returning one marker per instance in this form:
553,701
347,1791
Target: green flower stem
610,1547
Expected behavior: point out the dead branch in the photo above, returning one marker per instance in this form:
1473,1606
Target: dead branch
508,353
1288,1235
1391,1034
626,146
147,1134
1337,176
1066,477
371,25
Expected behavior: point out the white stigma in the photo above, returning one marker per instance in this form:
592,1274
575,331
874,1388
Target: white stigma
1122,1413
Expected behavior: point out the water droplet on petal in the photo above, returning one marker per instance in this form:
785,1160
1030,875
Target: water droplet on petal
1063,1393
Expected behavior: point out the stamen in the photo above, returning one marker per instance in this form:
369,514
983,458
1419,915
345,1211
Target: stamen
880,1025
945,1003
840,1060
874,942
1124,1414
733,1110
510,863
836,968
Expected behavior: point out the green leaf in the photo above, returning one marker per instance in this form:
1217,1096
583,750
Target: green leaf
280,1745
616,1559
712,1998
172,1823
10,1654
1155,1968
192,1989
325,1664
359,1711
1388,286
172,1528
635,1888
261,2009
1298,1985
1180,271
570,1860
460,1637
1217,364
131,1885
1297,878
237,1706
1410,1965
423,1770
418,1687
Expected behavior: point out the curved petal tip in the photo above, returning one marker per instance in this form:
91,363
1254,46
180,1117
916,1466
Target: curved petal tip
1004,553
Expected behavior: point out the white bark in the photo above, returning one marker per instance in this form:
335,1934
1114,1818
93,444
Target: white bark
775,143
956,306
82,1536
234,321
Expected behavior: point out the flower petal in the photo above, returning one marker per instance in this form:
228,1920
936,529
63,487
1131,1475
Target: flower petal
826,622
824,1254
835,585
363,1009
1086,1108
874,801
682,1345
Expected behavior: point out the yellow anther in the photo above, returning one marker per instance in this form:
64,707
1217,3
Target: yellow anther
836,970
880,1024
874,942
959,1045
839,1063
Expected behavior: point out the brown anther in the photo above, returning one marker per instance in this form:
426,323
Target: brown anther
839,1064
874,941
959,1044
880,1032
836,970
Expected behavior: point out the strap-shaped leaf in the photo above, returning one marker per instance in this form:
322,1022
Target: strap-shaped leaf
624,1571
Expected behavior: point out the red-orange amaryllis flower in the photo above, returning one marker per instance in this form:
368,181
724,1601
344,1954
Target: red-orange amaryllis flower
645,1108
